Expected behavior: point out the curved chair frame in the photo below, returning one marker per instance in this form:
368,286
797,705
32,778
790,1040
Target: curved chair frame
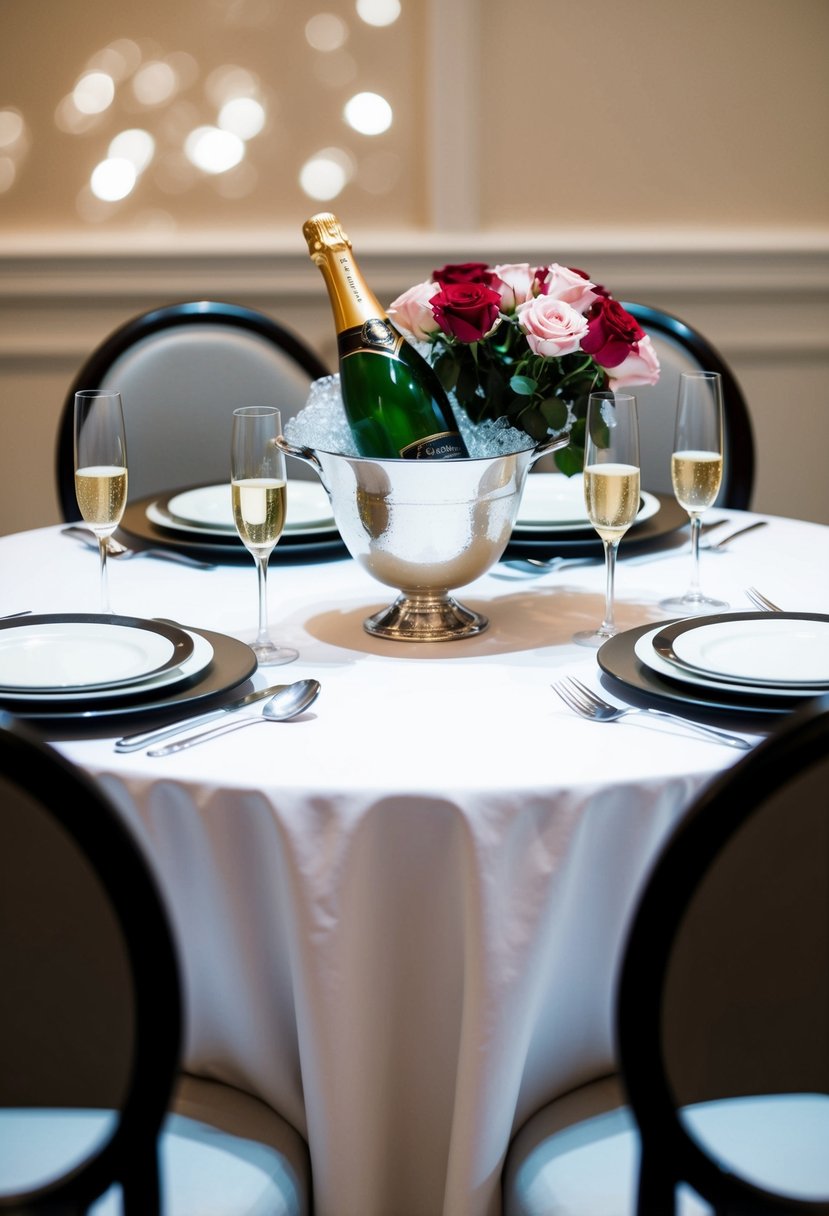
669,1153
738,471
170,316
129,1157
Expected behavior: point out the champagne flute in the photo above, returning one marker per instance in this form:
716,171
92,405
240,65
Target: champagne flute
259,495
100,468
696,472
611,487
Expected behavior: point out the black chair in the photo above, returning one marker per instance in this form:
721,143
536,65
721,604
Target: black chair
182,369
722,1098
682,348
91,1022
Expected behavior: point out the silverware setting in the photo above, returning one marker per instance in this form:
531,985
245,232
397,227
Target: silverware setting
287,703
146,738
583,701
762,602
717,546
116,550
537,565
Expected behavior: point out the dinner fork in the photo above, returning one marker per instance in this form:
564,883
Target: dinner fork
581,700
117,550
761,601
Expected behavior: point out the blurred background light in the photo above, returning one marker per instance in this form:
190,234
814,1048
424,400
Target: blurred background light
326,174
326,32
378,12
93,93
135,145
368,113
113,179
11,128
213,150
154,83
244,116
8,172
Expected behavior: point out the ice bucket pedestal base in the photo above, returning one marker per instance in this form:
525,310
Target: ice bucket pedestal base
425,618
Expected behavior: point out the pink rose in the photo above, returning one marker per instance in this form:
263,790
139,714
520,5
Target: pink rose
640,367
568,284
553,327
516,283
412,311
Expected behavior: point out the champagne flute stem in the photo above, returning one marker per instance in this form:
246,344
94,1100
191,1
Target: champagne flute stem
102,550
610,548
263,637
693,590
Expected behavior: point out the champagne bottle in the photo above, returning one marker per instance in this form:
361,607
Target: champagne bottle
394,401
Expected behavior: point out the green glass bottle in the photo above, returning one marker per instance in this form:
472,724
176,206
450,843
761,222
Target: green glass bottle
394,402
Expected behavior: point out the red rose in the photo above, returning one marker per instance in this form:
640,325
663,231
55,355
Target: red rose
463,272
612,333
467,311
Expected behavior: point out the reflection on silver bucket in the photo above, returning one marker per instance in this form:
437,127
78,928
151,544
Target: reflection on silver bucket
424,527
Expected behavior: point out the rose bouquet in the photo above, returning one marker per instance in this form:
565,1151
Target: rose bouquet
525,343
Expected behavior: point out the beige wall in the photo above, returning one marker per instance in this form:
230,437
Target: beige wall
675,151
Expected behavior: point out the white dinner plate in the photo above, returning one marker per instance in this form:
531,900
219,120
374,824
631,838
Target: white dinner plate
79,651
645,653
553,502
774,649
209,508
199,659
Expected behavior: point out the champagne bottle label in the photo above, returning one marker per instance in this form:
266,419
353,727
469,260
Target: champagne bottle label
445,446
376,337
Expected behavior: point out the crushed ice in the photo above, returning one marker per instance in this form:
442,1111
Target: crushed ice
322,425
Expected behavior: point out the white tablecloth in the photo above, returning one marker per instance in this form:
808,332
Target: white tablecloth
400,916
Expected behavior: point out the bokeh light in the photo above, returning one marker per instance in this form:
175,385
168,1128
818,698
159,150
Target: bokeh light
378,12
326,174
113,179
12,128
8,172
154,83
93,93
326,32
213,150
135,145
368,113
244,116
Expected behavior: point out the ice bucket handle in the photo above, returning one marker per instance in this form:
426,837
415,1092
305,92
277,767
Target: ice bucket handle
551,445
301,453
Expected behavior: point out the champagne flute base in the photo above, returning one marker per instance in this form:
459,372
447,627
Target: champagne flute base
593,637
268,654
692,605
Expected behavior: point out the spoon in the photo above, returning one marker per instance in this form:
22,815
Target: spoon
287,703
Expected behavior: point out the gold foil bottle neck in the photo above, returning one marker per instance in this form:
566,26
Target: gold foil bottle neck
324,231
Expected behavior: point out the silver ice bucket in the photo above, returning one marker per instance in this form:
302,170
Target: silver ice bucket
424,527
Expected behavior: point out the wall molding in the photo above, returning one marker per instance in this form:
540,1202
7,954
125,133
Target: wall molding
759,295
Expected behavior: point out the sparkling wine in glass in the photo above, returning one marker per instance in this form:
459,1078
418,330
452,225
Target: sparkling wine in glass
611,487
696,472
100,468
259,495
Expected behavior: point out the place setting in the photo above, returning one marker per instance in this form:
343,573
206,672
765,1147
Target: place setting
198,520
91,665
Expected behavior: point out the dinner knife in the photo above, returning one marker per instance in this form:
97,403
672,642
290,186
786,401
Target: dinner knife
133,743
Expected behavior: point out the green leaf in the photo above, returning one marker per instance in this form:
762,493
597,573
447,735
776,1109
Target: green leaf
555,412
524,386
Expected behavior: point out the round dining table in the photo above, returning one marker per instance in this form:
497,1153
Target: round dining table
400,915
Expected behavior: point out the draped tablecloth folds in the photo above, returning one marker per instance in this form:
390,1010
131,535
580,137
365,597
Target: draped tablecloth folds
400,915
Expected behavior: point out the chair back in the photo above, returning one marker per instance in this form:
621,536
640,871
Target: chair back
182,370
723,1001
681,348
90,1010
